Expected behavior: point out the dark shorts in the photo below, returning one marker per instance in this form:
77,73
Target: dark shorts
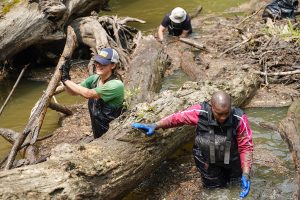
217,175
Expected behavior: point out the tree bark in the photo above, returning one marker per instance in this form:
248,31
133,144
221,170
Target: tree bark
37,116
112,165
289,130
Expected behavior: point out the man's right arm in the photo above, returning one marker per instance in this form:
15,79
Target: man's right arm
160,33
190,116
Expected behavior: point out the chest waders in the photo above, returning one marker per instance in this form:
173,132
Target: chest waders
102,114
215,150
175,29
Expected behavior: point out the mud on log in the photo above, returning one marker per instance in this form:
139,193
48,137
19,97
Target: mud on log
289,130
111,166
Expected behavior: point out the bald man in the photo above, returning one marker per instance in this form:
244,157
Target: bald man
223,147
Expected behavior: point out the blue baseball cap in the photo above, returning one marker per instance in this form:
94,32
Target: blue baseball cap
107,56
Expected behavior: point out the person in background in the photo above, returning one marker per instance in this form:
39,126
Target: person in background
178,23
223,148
104,90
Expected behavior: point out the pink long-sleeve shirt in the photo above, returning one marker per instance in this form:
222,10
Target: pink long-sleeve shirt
191,116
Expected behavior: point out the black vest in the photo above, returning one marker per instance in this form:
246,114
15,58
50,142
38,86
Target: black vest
217,143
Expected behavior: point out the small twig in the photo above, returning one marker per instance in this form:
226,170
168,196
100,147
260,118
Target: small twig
197,12
13,89
235,46
130,19
54,99
266,74
278,73
250,16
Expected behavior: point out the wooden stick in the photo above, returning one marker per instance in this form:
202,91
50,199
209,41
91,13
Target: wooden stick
60,108
266,74
9,135
36,119
54,99
197,12
246,18
278,73
130,19
13,89
235,46
192,42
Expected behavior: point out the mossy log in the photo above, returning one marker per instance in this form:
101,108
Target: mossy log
289,129
114,164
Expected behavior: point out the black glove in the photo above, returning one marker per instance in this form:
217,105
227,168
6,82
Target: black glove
65,70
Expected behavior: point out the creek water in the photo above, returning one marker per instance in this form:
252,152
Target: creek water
267,183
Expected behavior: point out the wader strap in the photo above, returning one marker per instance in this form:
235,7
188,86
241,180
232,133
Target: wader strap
212,155
227,146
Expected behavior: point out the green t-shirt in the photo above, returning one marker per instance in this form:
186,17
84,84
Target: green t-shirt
112,92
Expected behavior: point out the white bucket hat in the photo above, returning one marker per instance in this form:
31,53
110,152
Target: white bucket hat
178,15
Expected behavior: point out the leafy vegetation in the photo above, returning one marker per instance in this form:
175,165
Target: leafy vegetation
287,31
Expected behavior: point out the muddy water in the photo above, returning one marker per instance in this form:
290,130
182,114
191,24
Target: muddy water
16,113
269,181
153,11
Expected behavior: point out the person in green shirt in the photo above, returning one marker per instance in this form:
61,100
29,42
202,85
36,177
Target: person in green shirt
104,90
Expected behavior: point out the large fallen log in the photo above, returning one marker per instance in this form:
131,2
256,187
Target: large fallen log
144,77
109,167
289,130
35,22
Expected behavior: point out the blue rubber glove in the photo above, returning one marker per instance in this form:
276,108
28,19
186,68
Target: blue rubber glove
245,184
149,128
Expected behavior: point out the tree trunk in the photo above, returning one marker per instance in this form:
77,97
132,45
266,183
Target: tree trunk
114,164
29,23
145,74
289,130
